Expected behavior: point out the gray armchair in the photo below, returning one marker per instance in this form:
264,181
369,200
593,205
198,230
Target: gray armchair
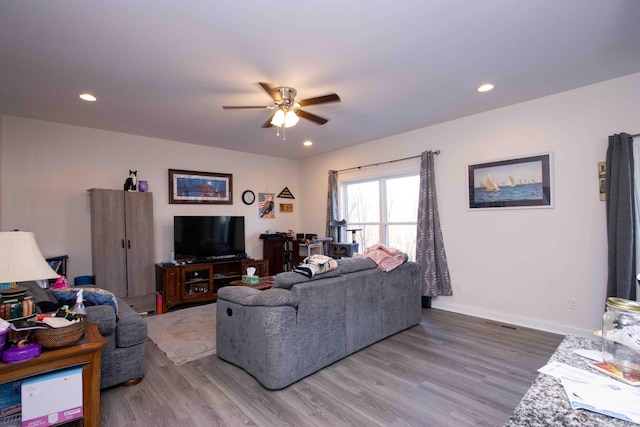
123,358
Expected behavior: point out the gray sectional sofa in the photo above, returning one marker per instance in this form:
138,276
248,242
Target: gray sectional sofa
301,325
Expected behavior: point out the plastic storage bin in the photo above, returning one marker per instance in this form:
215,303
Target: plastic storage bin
83,281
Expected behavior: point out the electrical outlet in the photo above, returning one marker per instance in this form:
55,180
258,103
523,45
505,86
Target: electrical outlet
573,303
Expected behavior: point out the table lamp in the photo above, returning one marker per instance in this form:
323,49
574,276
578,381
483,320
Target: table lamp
21,259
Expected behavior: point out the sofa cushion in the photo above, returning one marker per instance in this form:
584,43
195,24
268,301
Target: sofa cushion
90,297
287,279
244,295
351,265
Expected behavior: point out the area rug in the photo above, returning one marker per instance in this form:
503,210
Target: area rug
185,335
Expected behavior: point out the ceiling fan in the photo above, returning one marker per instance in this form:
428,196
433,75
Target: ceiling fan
287,109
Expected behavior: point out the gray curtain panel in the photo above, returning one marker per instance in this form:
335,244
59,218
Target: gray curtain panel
332,205
430,253
621,280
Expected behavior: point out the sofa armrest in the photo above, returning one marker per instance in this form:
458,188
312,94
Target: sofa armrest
245,295
104,316
131,328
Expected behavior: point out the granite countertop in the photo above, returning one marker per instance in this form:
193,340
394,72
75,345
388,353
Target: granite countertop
546,404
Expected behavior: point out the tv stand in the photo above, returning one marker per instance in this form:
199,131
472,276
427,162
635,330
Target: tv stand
197,281
212,259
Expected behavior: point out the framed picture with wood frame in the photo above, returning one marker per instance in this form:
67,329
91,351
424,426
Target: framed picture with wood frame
602,180
286,207
191,187
523,182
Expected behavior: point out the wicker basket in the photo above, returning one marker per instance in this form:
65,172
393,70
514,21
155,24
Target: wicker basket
60,337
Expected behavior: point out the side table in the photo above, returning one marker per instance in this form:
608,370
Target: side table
261,285
86,353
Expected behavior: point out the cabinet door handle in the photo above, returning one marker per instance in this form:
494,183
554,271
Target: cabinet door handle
128,244
122,243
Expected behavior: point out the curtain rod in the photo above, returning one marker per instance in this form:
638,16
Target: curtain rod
384,163
408,158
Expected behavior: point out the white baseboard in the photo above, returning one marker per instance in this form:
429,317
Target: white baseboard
513,320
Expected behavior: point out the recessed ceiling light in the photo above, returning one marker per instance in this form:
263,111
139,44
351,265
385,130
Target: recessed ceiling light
88,97
485,87
307,143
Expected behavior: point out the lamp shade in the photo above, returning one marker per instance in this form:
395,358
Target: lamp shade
21,259
290,119
278,118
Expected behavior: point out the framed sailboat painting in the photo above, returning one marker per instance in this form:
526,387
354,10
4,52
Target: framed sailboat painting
523,182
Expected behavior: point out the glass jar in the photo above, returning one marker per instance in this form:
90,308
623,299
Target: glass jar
621,334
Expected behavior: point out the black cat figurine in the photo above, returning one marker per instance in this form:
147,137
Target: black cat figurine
130,183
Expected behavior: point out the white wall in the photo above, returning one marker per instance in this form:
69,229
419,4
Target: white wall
518,266
46,169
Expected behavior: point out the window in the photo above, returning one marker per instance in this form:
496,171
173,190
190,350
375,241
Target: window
383,210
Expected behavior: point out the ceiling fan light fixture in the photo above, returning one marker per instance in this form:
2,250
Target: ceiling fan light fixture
290,119
278,118
286,110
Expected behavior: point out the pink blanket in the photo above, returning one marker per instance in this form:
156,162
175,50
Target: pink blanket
386,258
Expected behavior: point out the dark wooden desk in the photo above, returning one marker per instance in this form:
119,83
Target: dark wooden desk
262,283
86,353
283,252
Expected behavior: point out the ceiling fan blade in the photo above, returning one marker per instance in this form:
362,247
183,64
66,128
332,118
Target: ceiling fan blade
319,100
233,107
316,119
270,88
268,124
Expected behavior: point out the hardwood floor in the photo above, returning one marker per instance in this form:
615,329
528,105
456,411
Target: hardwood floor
450,370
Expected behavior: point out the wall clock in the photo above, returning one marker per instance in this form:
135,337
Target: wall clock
248,197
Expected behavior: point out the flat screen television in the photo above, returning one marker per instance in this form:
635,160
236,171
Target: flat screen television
204,238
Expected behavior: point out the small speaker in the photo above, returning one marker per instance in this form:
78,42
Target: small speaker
342,250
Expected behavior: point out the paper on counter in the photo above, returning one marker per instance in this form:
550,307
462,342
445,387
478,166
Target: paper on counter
595,392
615,400
589,354
562,370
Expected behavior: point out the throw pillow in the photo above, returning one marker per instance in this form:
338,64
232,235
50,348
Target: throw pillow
90,296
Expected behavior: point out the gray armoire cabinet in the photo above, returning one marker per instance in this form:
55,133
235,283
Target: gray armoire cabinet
122,245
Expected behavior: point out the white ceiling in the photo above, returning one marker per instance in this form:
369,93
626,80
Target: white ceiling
164,68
